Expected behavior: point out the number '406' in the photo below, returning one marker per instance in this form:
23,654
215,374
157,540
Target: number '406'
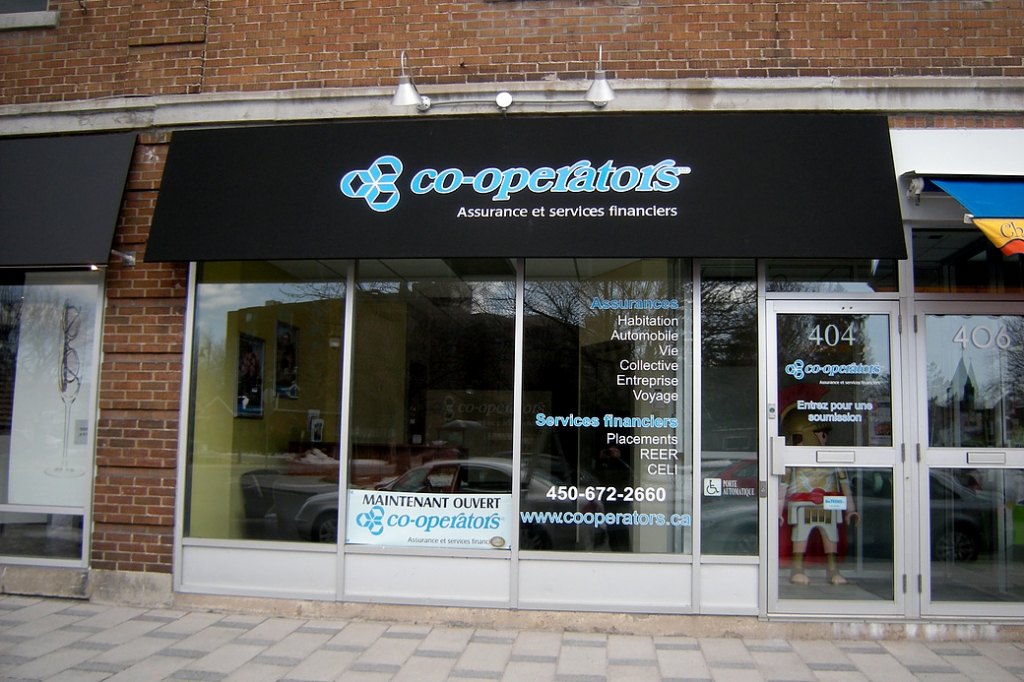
981,337
831,336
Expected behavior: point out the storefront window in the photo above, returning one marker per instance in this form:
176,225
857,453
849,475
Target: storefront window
977,534
729,417
431,460
831,276
265,412
49,323
607,397
963,261
975,380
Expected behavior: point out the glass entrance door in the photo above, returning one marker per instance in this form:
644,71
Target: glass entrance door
836,491
972,396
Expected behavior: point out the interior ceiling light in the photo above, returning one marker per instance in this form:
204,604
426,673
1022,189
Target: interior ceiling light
598,94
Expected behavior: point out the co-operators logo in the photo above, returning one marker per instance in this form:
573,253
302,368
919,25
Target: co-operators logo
372,520
377,185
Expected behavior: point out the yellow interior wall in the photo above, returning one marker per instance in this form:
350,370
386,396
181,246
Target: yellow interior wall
225,446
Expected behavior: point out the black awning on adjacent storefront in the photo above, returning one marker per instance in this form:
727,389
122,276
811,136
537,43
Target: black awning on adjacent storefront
768,185
60,197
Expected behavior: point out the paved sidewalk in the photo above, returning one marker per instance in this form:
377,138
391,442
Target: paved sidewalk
73,641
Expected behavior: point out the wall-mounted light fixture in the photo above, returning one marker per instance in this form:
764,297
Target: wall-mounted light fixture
127,257
599,93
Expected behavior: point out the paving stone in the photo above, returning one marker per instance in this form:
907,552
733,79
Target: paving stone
582,660
631,648
134,651
916,655
981,668
358,634
322,666
786,665
50,664
275,628
683,663
298,645
200,675
488,658
188,624
880,667
228,658
124,632
444,642
391,652
51,641
537,646
633,673
255,672
107,617
422,669
74,675
208,639
529,671
1003,653
720,650
42,625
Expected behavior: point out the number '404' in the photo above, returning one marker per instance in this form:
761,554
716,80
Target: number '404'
830,335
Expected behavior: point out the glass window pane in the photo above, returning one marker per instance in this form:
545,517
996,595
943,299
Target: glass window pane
835,379
606,433
16,6
841,551
48,327
975,387
49,536
831,276
432,419
729,405
963,261
265,399
977,535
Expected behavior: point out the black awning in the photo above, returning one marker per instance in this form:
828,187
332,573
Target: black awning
60,197
770,185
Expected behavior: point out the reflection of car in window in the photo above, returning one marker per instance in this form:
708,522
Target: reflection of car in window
317,519
962,519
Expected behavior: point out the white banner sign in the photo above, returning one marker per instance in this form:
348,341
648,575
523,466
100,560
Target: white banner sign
382,517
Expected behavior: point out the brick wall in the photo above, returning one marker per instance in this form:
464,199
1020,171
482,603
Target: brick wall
134,47
140,385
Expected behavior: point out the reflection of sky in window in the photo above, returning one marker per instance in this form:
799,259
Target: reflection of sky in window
968,347
876,342
215,301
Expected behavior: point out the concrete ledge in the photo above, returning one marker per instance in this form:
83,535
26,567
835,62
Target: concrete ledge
70,583
23,20
897,95
613,623
130,588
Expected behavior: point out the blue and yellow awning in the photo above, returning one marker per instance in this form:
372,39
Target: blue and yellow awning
996,206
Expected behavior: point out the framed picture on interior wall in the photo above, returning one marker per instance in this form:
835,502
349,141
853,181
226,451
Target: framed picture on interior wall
287,365
250,375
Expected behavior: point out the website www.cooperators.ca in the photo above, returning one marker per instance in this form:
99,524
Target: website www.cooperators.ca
598,519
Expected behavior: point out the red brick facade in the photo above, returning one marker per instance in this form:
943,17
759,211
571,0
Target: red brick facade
131,48
138,47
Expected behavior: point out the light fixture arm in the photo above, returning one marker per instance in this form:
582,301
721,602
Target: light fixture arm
599,93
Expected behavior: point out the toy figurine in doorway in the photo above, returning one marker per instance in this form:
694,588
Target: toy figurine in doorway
814,498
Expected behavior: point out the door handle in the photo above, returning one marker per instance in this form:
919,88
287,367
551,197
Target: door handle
777,447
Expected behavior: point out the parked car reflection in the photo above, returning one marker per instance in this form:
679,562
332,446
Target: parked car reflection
317,520
962,519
